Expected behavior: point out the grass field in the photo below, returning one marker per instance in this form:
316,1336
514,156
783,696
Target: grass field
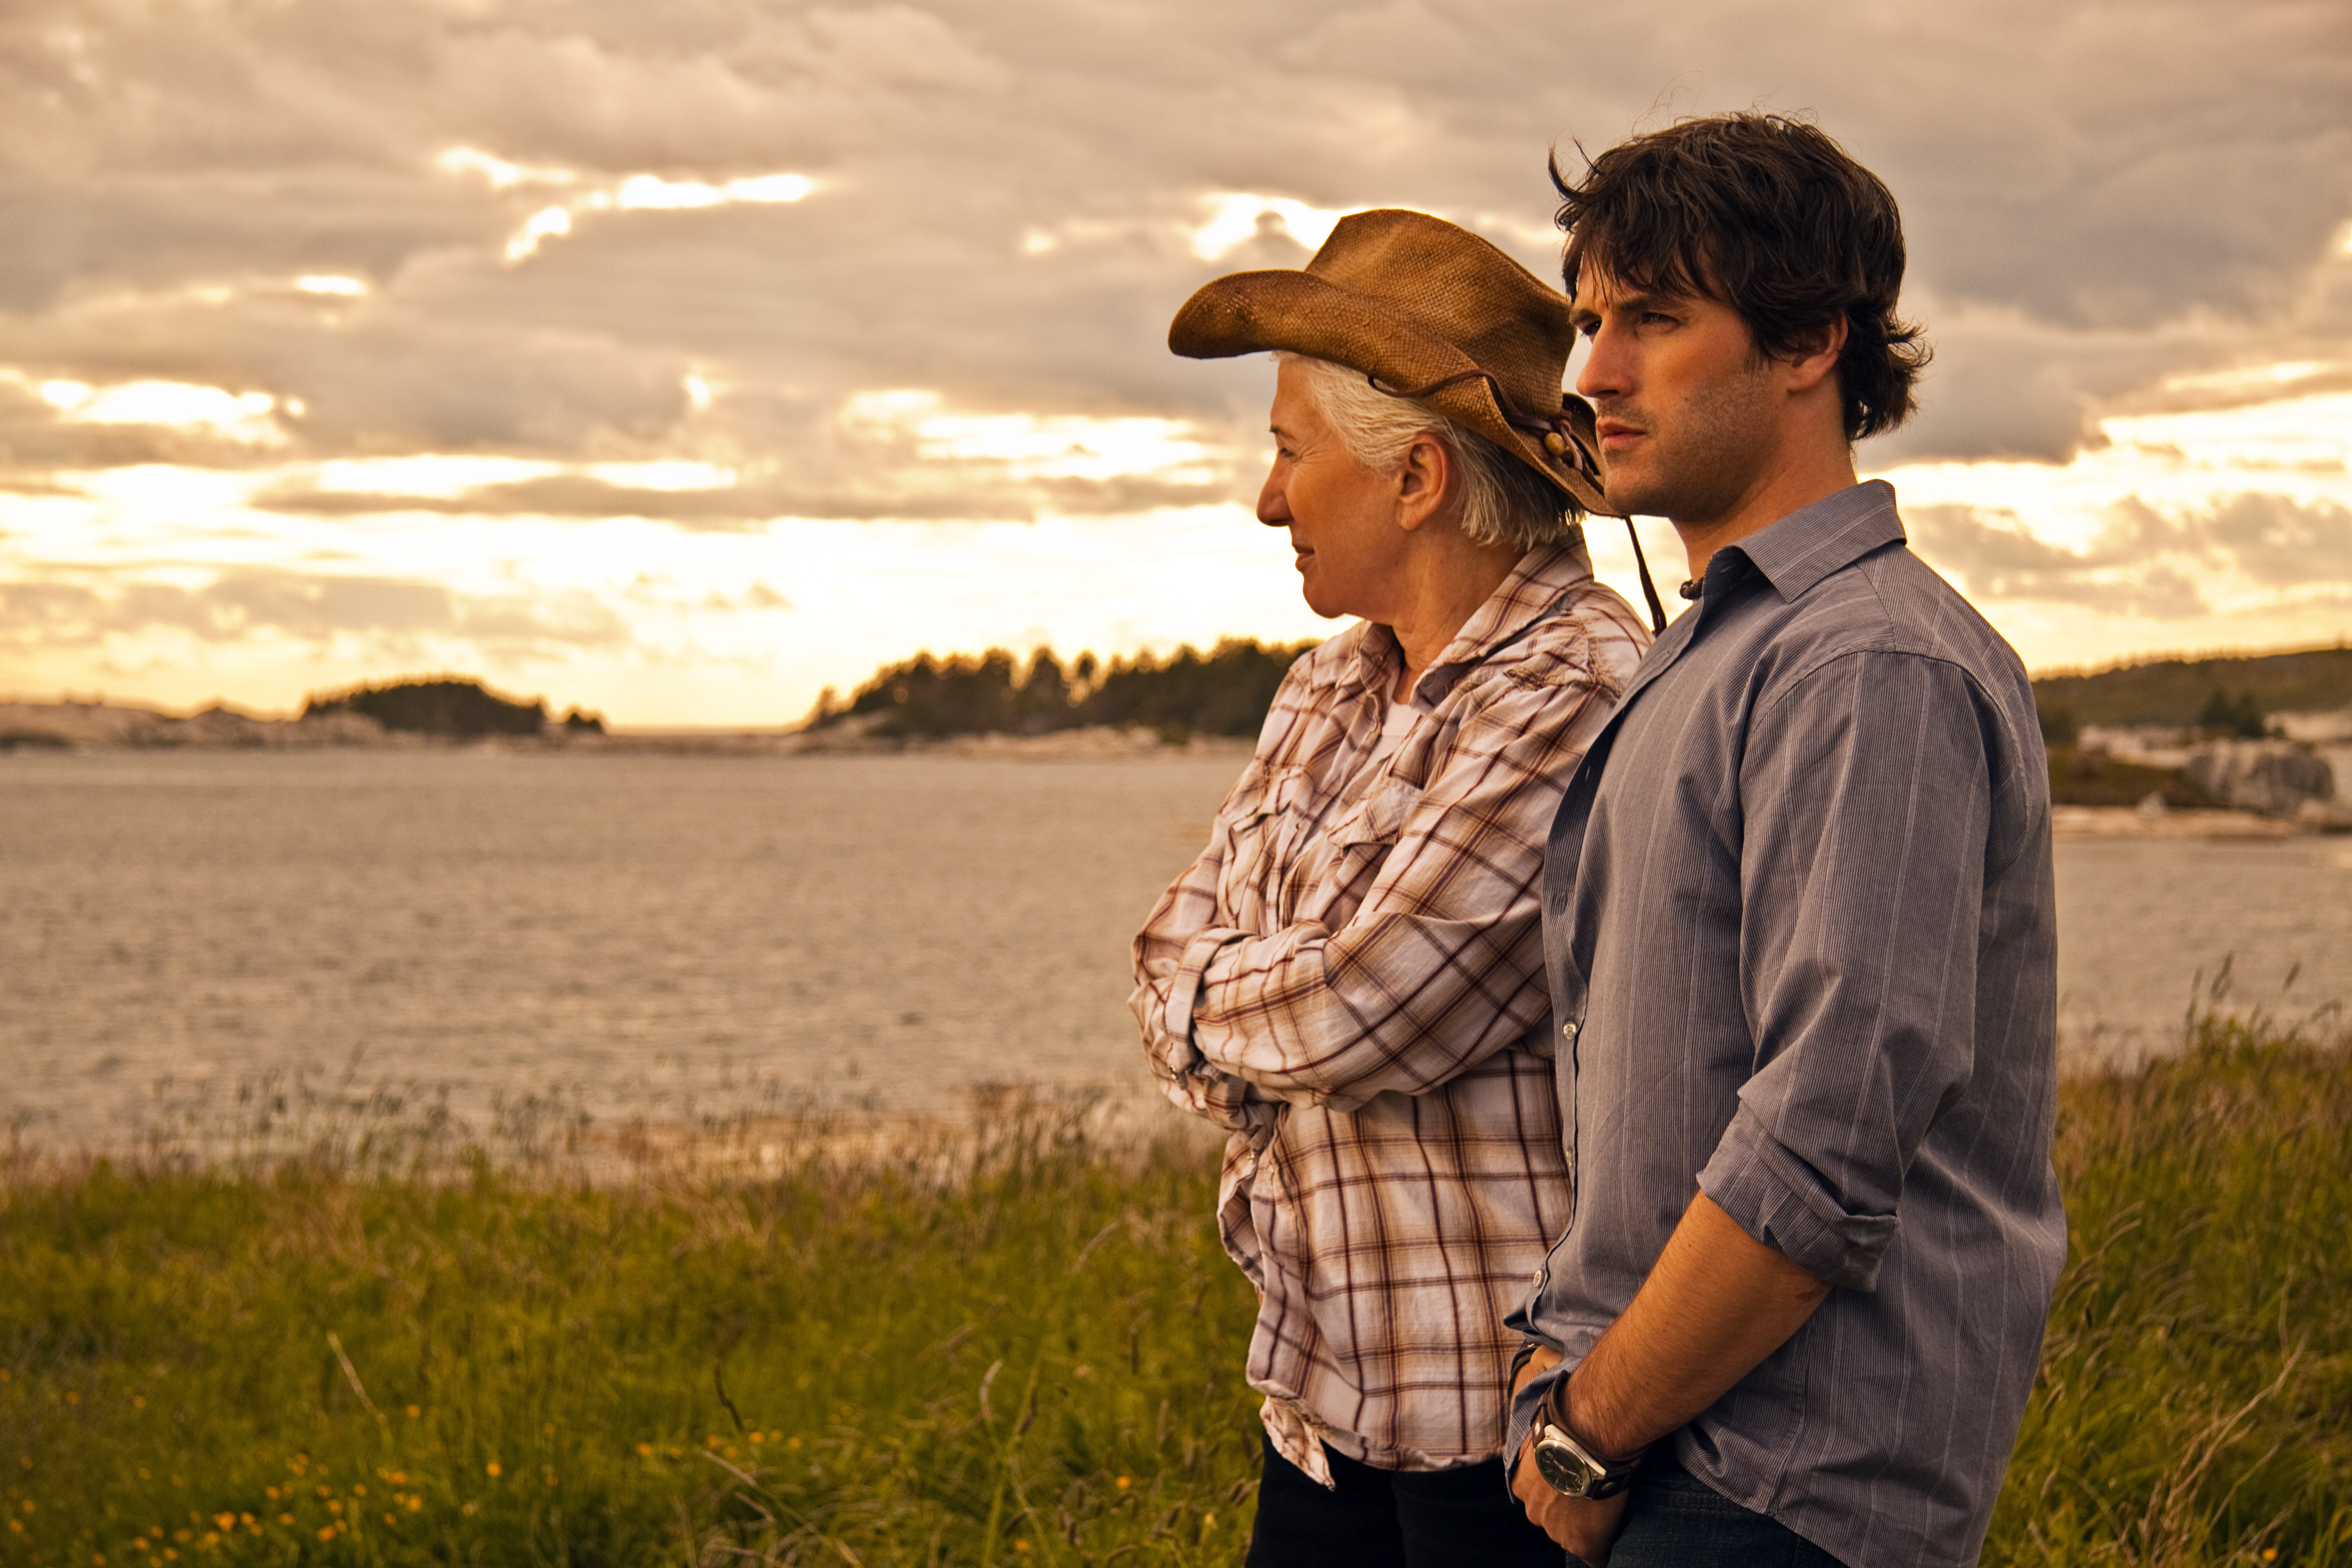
1033,1359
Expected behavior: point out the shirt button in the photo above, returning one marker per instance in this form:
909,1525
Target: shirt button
1567,1030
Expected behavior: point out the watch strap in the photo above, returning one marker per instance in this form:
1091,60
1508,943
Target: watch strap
1591,1474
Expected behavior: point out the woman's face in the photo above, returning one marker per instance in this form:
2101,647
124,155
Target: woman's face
1343,517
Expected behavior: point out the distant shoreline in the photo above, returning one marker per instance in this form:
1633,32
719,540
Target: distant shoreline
81,727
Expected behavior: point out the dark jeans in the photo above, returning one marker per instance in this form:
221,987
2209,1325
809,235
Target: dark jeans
1392,1519
1676,1520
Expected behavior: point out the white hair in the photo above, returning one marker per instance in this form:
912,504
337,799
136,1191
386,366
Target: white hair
1503,502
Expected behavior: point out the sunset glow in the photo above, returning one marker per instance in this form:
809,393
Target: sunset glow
683,377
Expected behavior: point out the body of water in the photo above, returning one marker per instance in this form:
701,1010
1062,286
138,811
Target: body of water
663,937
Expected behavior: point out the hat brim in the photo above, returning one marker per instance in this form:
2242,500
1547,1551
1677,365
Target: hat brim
1257,312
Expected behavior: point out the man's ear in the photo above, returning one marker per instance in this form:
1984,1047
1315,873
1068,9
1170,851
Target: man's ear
1425,481
1816,354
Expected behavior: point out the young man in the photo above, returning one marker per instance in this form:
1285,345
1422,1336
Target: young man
1798,924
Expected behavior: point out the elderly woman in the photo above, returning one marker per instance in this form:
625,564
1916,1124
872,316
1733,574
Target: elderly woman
1349,978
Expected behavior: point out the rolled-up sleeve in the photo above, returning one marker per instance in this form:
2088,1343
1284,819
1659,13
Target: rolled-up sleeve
1866,793
1170,951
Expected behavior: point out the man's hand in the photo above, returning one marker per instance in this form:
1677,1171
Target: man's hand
1586,1529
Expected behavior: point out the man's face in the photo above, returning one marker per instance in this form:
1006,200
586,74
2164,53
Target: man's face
1689,413
1341,515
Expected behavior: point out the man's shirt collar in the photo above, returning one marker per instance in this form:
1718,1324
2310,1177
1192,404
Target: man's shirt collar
1806,545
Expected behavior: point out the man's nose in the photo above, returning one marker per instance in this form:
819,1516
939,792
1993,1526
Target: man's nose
1606,370
1273,505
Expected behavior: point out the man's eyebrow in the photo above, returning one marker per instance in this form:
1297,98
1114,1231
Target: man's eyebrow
1636,301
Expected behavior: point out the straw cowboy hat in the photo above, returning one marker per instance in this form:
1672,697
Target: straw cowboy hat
1427,311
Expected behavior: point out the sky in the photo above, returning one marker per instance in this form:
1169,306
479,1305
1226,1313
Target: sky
677,361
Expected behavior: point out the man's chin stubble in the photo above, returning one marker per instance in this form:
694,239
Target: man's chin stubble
1661,497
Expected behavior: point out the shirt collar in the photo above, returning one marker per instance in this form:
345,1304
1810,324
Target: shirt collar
1813,542
1541,577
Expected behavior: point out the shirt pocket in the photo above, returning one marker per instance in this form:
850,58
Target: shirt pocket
1264,819
1357,842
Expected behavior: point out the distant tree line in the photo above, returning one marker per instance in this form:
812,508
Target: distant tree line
1226,692
2221,695
448,705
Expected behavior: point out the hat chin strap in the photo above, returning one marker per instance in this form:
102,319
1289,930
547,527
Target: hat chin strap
1561,440
1649,589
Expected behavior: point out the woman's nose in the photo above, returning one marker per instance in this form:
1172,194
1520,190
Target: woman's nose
1273,505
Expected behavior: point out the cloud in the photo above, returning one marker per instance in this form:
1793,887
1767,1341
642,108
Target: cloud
2115,213
2144,562
2281,543
1007,205
241,604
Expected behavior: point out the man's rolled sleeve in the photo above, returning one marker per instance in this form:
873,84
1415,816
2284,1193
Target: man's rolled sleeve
1783,1202
1867,792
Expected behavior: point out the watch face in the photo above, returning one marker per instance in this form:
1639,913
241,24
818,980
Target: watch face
1564,1469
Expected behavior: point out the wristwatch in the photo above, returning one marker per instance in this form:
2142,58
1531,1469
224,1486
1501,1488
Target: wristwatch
1567,1466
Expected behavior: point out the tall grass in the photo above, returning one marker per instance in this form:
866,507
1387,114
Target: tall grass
2195,1403
1027,1354
1023,1348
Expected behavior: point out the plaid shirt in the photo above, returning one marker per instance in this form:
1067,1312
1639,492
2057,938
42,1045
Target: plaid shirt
1350,978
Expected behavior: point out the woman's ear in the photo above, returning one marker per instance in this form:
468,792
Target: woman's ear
1424,481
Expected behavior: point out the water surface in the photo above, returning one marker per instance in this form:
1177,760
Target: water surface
662,937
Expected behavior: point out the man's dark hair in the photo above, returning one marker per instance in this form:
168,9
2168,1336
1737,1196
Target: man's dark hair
1770,215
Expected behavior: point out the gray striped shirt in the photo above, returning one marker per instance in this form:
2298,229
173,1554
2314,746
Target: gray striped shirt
1800,930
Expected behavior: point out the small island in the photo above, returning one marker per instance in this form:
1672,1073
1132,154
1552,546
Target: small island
412,710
